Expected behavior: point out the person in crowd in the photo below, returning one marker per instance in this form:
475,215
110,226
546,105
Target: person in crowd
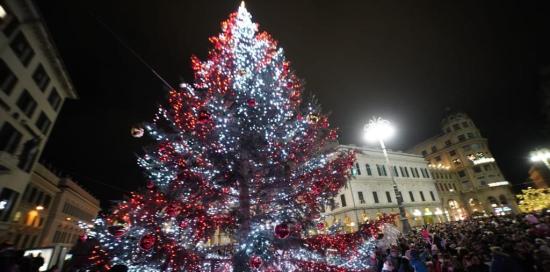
483,244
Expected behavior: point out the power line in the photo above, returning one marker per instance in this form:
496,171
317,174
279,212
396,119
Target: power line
132,51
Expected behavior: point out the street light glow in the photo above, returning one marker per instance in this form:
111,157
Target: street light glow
378,129
542,155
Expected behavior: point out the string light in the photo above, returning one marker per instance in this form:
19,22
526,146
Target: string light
240,152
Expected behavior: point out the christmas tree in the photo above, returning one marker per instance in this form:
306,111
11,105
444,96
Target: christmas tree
241,152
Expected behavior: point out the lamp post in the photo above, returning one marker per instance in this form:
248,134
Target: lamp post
378,129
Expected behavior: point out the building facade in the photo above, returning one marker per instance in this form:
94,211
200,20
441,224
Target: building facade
51,211
72,208
468,177
32,212
33,87
369,193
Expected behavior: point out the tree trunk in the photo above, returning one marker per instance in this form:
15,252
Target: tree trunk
240,258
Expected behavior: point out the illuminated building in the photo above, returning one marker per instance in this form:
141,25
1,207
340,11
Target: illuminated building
369,193
51,211
467,174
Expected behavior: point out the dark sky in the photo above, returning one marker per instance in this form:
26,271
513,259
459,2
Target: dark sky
404,60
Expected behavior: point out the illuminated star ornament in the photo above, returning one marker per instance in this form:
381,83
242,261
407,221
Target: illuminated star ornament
238,153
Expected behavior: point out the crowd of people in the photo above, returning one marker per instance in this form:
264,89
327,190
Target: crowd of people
515,243
511,243
12,260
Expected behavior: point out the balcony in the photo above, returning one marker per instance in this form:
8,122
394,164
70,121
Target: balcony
8,162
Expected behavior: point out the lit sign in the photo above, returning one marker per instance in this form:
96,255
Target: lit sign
483,160
3,204
500,183
479,158
439,166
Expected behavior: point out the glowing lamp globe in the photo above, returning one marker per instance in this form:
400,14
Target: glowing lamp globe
378,129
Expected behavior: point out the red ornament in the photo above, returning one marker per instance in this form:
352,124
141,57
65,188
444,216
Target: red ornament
204,117
117,231
255,262
282,231
147,241
173,209
150,184
320,226
119,227
184,224
251,102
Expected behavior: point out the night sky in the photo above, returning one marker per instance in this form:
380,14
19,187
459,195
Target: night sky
403,60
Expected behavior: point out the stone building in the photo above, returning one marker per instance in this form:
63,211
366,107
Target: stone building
33,87
51,212
369,193
468,177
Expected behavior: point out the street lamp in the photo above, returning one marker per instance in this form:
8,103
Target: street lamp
378,129
541,155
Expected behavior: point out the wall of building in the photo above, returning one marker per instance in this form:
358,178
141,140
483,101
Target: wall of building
72,206
51,212
33,209
33,88
464,153
370,192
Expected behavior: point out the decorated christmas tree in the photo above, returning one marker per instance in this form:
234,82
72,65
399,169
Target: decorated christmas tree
242,152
